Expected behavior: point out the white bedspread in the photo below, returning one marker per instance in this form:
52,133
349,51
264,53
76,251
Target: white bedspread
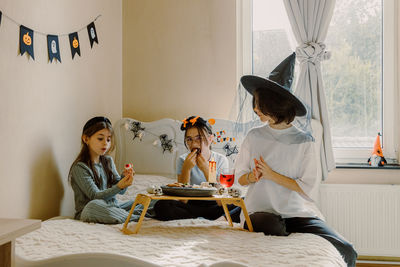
178,243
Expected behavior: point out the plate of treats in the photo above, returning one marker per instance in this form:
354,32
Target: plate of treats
186,190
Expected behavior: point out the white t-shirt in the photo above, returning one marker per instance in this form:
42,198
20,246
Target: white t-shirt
289,152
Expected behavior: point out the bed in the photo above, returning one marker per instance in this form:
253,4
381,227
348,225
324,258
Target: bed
153,148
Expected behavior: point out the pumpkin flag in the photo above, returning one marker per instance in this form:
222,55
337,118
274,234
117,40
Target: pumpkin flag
53,48
92,34
26,41
74,44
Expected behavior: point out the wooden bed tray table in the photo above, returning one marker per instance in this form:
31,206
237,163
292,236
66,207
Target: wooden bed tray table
145,199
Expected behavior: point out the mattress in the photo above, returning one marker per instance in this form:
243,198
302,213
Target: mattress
191,242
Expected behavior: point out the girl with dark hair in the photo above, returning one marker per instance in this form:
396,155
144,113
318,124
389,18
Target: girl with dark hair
192,168
277,163
94,178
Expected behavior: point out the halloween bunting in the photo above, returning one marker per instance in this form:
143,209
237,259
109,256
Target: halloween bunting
53,48
92,34
74,44
26,41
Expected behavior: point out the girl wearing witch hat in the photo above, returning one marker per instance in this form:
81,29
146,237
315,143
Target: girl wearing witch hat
276,162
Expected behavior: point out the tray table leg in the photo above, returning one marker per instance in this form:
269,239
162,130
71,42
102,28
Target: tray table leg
228,216
140,199
239,203
246,216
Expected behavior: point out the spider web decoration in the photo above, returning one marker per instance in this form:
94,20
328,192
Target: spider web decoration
136,128
166,143
230,150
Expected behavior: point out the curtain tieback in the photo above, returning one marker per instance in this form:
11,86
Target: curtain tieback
312,52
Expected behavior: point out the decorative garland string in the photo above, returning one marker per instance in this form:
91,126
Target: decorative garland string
43,33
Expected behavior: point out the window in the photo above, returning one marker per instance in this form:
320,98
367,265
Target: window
360,96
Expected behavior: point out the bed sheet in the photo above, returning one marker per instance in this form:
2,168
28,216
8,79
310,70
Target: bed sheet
191,242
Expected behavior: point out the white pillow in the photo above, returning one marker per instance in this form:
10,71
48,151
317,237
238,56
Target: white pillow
141,182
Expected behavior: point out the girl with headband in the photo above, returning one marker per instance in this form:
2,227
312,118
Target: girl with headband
192,168
94,178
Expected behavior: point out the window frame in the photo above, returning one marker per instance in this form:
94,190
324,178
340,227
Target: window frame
390,92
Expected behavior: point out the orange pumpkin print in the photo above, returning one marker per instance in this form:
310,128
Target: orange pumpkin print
27,39
75,43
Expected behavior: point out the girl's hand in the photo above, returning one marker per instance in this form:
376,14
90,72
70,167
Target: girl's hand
125,182
202,163
256,174
190,161
129,172
263,168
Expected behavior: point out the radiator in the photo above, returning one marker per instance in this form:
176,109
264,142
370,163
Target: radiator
366,215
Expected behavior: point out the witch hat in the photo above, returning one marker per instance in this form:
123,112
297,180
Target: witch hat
284,72
377,158
279,81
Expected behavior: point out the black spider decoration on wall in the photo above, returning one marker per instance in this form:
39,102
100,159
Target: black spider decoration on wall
136,128
230,150
166,143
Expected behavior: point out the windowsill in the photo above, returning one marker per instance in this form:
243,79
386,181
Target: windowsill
366,166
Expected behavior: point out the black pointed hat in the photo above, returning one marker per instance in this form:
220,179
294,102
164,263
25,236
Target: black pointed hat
279,81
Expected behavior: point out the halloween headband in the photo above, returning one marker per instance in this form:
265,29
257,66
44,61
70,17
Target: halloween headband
95,120
194,121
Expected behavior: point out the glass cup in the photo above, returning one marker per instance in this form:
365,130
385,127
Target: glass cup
227,178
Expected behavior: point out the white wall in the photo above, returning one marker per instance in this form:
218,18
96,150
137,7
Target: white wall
179,58
43,106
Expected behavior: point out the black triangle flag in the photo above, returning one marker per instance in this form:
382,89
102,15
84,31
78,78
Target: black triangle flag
74,44
92,34
53,47
26,41
0,17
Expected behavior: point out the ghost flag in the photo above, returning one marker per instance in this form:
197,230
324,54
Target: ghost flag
53,47
26,41
92,34
74,44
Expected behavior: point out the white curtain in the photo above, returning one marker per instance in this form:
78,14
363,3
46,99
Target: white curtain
310,20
